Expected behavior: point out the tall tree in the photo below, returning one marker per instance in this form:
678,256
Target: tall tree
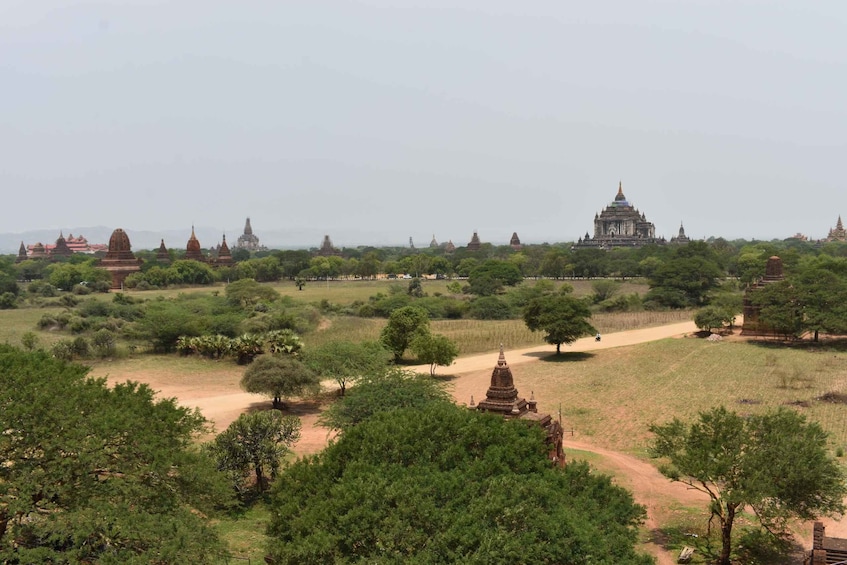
94,473
777,463
279,376
562,317
404,324
434,349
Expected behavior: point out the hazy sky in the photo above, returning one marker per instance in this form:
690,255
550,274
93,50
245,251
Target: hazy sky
381,120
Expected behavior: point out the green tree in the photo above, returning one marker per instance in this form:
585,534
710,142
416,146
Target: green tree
347,361
404,325
94,473
383,392
562,317
247,293
279,376
434,349
712,317
604,289
491,276
444,484
255,444
776,463
415,288
187,271
685,280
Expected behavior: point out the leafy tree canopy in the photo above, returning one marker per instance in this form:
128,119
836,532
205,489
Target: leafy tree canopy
434,349
347,361
562,317
98,474
278,376
377,393
777,463
254,443
404,324
443,484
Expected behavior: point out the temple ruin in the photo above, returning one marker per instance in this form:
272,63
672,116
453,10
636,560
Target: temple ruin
120,260
502,398
752,325
474,243
826,550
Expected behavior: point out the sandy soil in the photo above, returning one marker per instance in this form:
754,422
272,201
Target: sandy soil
223,402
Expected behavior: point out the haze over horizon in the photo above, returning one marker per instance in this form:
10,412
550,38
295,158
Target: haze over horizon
390,120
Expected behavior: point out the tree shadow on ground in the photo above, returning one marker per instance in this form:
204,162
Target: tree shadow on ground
564,357
824,344
300,407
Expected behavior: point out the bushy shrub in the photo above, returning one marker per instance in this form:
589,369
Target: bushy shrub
489,308
78,324
100,286
93,308
104,343
81,289
29,341
366,311
68,300
54,321
8,300
622,303
63,350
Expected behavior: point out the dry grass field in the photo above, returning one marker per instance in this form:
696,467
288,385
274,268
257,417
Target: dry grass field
611,396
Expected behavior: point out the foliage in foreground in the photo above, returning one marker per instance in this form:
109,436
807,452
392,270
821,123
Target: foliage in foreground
99,474
443,484
383,392
776,463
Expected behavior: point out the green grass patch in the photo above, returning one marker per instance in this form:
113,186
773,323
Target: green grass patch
244,534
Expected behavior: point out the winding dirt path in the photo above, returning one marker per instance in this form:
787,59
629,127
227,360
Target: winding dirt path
223,401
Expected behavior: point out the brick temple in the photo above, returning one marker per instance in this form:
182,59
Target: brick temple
502,398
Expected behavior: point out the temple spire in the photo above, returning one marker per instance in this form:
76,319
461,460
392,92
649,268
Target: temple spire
619,195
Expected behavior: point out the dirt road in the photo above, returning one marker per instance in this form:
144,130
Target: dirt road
222,402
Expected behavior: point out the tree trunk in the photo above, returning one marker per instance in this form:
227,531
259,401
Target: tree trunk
277,403
558,348
726,535
816,336
260,478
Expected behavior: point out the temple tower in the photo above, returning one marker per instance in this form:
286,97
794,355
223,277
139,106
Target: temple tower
61,248
248,240
21,254
224,255
192,249
120,260
773,273
502,398
474,243
162,255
